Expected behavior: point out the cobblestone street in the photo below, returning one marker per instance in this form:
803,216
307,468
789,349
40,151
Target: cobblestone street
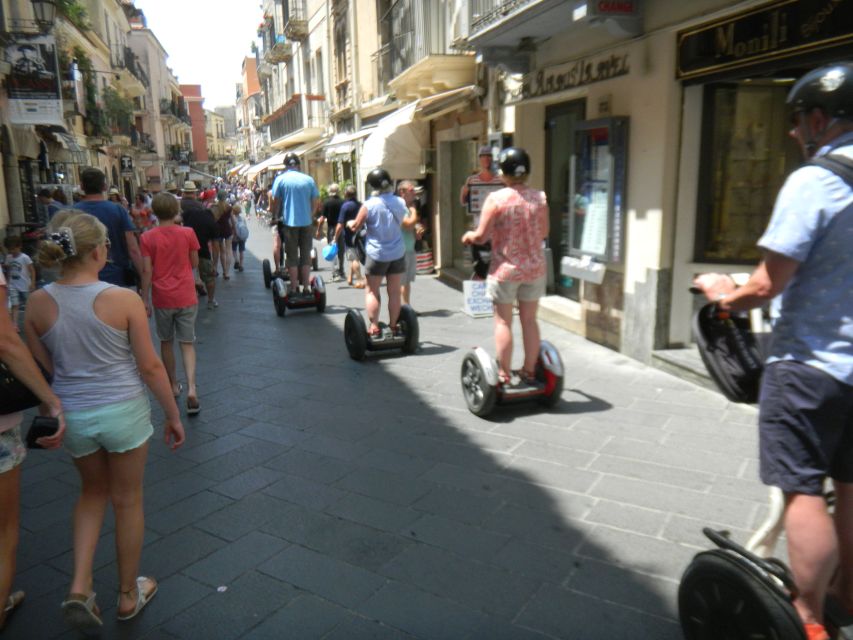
319,497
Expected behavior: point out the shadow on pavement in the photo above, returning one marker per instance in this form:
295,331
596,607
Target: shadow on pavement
317,497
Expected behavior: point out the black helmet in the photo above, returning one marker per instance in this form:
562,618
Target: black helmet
379,179
829,88
514,162
291,160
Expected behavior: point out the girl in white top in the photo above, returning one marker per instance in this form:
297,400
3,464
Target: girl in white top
95,338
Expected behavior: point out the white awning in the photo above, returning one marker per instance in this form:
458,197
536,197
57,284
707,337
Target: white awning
236,170
447,101
396,144
266,164
343,144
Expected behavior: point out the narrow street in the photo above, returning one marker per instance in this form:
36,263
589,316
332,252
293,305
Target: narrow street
319,497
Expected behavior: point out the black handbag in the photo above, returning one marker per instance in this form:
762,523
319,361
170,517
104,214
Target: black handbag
15,395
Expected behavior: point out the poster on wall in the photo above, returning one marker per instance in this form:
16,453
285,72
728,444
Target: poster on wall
33,85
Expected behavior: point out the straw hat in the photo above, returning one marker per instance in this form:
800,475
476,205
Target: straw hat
189,187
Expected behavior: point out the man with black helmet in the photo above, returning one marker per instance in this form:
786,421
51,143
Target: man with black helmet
806,402
383,214
299,198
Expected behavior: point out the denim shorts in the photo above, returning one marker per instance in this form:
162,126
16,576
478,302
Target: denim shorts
117,427
18,298
805,427
12,449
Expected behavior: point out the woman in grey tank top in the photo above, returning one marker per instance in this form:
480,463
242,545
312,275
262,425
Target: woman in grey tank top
94,337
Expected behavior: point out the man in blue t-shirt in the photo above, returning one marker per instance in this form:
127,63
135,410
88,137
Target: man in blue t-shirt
125,261
297,195
805,417
349,211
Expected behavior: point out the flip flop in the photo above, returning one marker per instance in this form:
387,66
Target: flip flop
193,406
14,601
180,390
81,612
142,598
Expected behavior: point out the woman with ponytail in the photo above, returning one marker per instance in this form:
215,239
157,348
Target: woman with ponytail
94,338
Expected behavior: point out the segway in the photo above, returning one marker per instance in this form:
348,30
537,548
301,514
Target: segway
283,299
483,389
359,342
738,592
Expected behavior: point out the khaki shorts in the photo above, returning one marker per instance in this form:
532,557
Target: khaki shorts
509,292
176,323
205,270
297,246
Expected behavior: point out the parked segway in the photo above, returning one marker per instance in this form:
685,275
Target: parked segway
283,299
359,342
483,389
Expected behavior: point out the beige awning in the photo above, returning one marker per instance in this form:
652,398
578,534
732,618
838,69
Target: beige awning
396,144
254,170
446,102
343,144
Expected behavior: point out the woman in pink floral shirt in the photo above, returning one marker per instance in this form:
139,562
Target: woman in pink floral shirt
515,219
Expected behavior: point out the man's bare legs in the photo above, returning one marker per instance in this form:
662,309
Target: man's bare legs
167,353
276,251
844,533
188,356
812,552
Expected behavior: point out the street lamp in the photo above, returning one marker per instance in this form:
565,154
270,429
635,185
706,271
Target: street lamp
45,14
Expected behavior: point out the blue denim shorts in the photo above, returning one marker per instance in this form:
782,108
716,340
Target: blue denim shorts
12,449
805,427
117,427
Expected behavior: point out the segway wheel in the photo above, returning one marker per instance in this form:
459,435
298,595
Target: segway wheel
278,303
267,269
409,320
721,598
480,396
355,335
553,386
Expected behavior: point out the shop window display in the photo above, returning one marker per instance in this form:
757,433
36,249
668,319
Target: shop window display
746,156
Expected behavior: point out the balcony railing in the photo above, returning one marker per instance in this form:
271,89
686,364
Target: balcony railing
179,153
175,109
132,64
295,117
413,30
382,74
281,51
295,19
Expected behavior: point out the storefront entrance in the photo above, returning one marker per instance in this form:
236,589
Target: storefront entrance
560,120
463,162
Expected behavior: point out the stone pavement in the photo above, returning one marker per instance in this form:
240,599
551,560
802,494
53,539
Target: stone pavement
318,497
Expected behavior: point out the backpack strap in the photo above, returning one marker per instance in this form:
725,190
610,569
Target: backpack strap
840,165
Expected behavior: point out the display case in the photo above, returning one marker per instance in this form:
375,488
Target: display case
597,178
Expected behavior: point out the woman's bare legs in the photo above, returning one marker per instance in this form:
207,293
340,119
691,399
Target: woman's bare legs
214,253
126,471
394,288
10,491
529,332
373,301
89,516
503,338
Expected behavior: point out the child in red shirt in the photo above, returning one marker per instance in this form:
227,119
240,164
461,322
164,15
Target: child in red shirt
169,255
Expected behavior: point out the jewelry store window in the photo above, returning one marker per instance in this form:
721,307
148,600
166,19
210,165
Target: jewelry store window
746,156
